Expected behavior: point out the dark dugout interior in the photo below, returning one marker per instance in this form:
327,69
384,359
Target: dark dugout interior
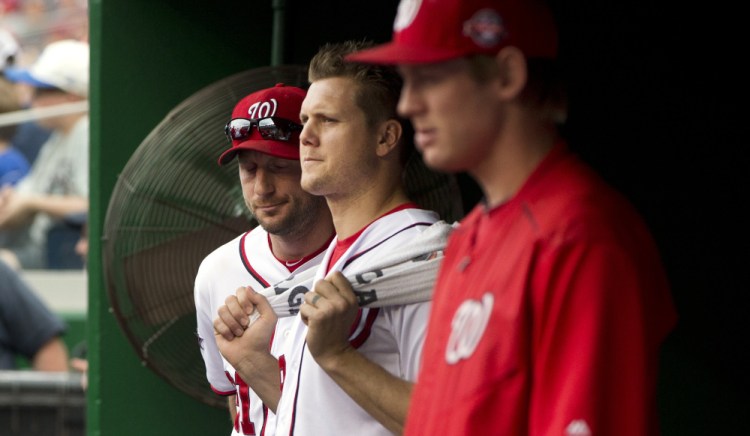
655,106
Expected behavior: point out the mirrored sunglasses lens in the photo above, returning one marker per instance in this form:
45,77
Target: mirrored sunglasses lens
239,129
269,129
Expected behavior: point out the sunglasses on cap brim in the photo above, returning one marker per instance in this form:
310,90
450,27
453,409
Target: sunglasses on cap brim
272,128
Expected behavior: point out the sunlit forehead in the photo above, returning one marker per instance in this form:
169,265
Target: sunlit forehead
332,97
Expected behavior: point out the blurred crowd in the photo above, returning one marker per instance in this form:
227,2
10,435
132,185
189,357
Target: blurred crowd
36,23
43,130
44,148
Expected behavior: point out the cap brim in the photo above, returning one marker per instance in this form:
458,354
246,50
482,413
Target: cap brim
19,75
282,149
393,53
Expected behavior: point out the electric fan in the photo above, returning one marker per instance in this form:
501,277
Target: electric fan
173,204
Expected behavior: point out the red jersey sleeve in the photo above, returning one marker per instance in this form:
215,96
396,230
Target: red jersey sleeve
593,345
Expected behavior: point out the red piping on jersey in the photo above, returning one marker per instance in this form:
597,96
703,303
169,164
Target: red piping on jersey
356,256
223,393
303,260
343,245
246,262
365,334
360,339
296,391
243,392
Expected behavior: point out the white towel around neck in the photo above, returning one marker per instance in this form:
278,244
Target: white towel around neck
404,276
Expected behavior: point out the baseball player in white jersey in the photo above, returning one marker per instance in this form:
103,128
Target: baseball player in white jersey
347,370
391,337
295,228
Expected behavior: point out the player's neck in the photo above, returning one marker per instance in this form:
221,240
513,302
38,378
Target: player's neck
515,154
352,213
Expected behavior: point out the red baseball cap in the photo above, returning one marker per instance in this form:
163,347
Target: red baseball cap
427,31
280,101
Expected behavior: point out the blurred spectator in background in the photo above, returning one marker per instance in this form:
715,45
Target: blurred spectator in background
13,164
29,136
57,184
9,49
28,328
37,23
8,6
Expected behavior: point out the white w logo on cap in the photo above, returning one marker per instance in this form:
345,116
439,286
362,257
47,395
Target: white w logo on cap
263,110
407,11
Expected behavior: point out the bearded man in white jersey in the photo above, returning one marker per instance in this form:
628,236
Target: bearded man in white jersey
295,229
346,370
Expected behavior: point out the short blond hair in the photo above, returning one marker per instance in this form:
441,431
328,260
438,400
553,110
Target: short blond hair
379,85
378,90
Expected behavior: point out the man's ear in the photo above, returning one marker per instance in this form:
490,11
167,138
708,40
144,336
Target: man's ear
389,135
512,72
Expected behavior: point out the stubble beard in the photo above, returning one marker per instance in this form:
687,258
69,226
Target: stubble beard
299,220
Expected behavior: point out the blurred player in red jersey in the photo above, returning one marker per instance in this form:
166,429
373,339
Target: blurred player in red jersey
552,302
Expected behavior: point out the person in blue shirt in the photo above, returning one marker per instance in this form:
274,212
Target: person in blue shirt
28,328
13,164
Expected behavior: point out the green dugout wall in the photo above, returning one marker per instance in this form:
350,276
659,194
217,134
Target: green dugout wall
641,113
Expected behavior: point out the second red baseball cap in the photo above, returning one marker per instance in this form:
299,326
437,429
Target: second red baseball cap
427,31
280,101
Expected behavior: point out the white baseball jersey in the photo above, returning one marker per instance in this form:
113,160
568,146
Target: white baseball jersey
245,261
311,402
